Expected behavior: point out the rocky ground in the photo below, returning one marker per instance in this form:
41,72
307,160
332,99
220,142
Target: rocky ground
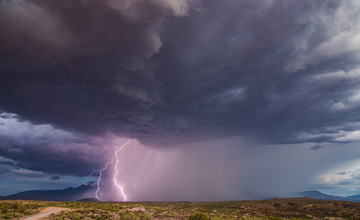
293,208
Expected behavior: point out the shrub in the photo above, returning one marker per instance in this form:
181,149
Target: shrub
199,216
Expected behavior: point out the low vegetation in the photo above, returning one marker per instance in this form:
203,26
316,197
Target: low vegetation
17,209
273,209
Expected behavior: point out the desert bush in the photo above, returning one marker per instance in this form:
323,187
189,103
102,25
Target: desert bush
199,216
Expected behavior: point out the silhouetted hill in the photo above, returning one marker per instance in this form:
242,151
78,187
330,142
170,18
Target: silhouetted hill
314,194
68,194
88,200
319,195
354,198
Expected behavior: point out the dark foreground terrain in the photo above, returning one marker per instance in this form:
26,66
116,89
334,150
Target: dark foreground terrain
294,208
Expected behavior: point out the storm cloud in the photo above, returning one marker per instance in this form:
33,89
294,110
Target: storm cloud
162,70
173,74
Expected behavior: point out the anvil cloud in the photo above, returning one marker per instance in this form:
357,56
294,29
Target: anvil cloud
75,74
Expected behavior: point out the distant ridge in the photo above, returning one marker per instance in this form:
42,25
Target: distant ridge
84,192
89,200
67,194
354,198
314,194
319,195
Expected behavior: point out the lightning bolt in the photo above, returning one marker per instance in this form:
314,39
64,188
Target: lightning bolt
117,172
90,175
99,178
116,158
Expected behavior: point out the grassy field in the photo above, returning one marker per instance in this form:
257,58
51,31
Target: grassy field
295,208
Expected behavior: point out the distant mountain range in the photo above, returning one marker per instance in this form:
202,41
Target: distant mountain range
319,195
82,192
86,193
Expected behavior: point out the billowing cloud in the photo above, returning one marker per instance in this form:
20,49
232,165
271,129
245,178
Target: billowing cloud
47,149
158,69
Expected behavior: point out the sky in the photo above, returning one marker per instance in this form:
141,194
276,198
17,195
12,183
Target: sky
222,100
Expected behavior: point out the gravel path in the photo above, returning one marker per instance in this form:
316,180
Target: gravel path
46,212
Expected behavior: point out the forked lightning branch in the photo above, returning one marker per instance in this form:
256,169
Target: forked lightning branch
115,176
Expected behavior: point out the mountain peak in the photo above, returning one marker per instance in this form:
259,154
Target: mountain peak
67,194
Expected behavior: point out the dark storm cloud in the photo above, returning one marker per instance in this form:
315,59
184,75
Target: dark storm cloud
163,71
55,177
261,53
316,147
6,163
70,160
44,148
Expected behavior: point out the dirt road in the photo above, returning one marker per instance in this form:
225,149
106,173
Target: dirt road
45,212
